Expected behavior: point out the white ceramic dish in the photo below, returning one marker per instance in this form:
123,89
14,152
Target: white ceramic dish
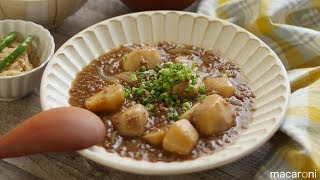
265,72
15,87
48,13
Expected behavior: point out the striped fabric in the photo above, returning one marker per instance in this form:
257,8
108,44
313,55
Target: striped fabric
292,29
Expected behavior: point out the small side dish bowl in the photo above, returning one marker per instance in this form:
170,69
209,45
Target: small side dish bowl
18,86
48,13
264,71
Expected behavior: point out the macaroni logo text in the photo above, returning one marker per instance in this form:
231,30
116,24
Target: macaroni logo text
300,175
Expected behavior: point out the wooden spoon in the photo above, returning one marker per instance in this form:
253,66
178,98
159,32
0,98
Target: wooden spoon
60,129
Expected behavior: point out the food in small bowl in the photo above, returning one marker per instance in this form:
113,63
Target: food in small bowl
165,101
25,49
178,92
15,57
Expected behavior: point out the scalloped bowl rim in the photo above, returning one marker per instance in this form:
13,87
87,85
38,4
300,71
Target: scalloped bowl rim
164,168
47,59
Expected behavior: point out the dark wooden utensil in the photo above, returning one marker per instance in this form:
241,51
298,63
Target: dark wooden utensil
60,129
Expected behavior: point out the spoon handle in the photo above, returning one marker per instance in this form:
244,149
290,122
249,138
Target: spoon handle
55,130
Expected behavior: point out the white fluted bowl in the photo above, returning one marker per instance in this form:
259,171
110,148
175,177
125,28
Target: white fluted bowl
265,72
16,87
48,13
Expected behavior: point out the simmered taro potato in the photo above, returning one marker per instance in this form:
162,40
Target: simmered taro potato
181,138
147,56
109,99
221,85
127,77
184,61
213,115
181,90
132,121
155,137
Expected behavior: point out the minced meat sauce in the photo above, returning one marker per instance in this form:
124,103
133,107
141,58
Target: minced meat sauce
100,73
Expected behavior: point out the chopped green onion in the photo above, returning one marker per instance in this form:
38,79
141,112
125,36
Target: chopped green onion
178,101
165,85
165,71
142,75
134,77
194,65
202,88
186,106
173,115
175,96
189,88
142,69
150,107
127,91
142,86
202,97
159,84
157,68
140,91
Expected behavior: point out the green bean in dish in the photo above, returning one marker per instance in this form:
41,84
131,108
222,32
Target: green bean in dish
16,53
7,40
16,58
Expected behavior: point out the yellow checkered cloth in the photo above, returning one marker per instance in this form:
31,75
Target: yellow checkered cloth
292,29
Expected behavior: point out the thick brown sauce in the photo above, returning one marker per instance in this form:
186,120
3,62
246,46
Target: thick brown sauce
98,74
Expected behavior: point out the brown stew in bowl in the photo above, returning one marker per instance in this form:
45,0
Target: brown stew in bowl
165,102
